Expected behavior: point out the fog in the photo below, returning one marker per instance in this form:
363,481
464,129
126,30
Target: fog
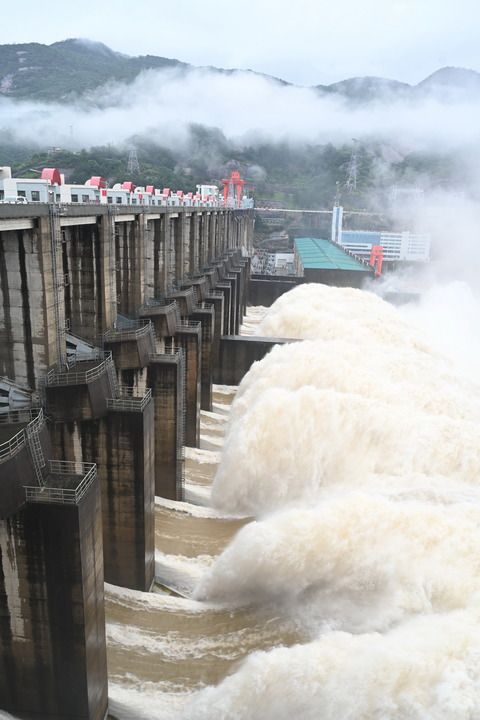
246,107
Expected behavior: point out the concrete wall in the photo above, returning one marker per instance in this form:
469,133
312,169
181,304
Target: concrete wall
338,278
52,623
79,267
17,471
263,291
128,498
238,353
166,378
27,318
65,264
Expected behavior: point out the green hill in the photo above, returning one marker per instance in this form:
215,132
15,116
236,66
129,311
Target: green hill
72,67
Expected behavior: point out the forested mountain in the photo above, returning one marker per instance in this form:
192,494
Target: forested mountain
70,68
301,174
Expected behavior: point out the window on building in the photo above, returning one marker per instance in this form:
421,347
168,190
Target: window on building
85,198
21,193
74,198
35,195
134,201
118,200
2,194
109,199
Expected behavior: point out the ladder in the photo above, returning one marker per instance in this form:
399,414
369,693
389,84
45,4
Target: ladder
112,377
36,452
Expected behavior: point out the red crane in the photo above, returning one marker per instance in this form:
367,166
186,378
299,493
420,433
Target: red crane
233,190
376,259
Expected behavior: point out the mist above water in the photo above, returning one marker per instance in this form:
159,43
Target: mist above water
357,451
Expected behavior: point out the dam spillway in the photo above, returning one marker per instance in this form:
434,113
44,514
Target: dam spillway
338,545
109,343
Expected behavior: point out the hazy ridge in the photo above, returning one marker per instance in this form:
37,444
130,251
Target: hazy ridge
70,68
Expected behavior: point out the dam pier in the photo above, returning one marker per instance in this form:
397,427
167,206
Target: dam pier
111,324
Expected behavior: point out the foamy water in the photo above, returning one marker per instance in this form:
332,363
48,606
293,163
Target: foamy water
333,570
358,453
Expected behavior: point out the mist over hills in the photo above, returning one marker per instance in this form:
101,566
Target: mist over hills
68,69
80,105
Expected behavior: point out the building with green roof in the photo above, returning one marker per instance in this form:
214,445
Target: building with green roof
322,261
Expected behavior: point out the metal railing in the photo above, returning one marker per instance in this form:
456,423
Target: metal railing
78,376
157,303
14,417
188,324
64,495
138,329
14,444
127,399
167,355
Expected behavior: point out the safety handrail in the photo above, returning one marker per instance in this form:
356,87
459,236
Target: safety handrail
80,377
188,324
128,399
64,496
141,328
13,445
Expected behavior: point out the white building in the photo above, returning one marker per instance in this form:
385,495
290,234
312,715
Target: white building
397,246
30,189
78,194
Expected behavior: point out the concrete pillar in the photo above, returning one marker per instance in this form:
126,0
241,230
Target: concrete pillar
131,348
180,231
188,336
92,422
163,316
126,465
170,250
225,232
166,378
129,254
232,279
225,287
187,242
215,298
205,314
149,257
107,269
211,236
194,243
162,238
52,623
84,269
32,313
204,218
122,446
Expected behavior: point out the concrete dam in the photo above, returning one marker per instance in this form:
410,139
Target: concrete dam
111,327
298,538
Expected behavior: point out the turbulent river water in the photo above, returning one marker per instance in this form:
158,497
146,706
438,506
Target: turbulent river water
325,564
328,553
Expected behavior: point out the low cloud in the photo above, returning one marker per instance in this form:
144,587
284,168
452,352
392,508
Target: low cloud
246,107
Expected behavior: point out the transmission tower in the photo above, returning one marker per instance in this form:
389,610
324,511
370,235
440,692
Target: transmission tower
133,166
351,182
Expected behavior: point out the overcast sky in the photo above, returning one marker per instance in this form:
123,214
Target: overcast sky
303,41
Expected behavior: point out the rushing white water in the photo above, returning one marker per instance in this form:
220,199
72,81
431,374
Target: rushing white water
358,453
353,593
